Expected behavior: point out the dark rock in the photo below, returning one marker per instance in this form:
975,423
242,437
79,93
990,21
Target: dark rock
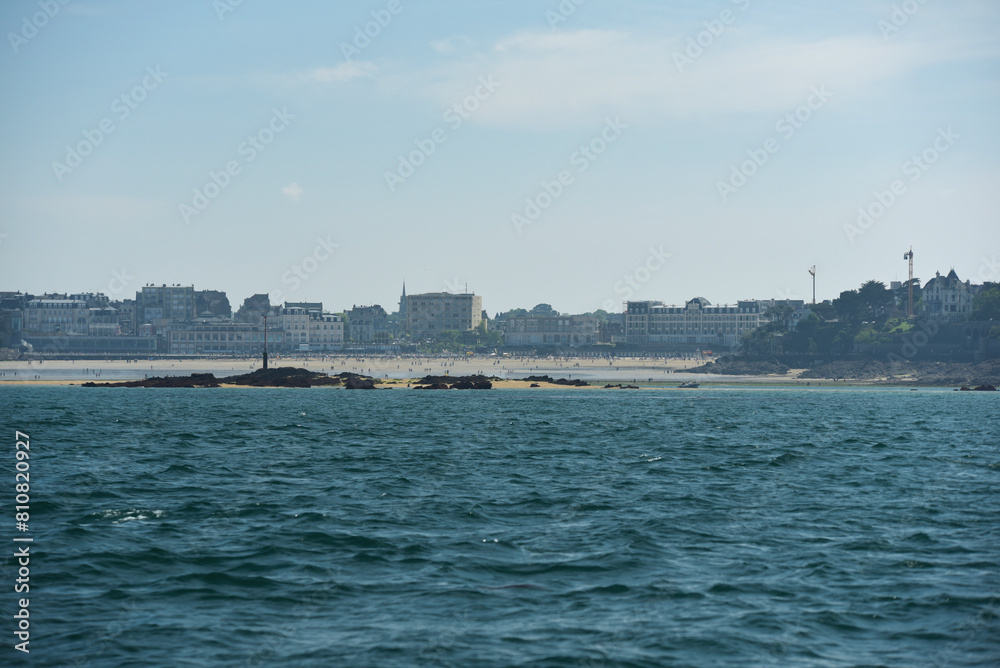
194,380
470,384
735,366
474,382
557,381
282,377
355,382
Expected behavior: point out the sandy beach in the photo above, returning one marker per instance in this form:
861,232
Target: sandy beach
644,372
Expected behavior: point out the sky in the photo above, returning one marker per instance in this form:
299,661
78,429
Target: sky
577,153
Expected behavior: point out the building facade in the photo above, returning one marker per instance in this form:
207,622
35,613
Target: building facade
368,324
57,316
567,330
948,298
432,313
219,337
160,305
308,329
126,316
697,322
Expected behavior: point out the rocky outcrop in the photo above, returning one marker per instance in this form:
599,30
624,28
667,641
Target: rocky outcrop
455,383
356,382
910,372
281,377
557,381
735,366
285,376
194,380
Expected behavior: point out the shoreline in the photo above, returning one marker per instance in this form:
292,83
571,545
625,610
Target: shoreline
396,372
775,383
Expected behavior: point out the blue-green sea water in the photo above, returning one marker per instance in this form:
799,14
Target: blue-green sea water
743,527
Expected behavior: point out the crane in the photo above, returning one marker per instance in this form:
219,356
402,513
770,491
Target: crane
909,256
812,272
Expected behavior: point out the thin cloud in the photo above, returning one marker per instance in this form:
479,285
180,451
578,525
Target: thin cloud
553,79
293,190
341,73
453,46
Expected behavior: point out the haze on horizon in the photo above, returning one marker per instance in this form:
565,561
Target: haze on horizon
712,149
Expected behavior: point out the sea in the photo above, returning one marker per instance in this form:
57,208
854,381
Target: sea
321,527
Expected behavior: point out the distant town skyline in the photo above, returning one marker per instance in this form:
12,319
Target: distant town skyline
572,153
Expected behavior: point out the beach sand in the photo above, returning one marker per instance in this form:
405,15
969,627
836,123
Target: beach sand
640,371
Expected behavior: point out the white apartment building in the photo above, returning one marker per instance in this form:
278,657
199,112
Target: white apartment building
566,330
697,322
309,330
64,316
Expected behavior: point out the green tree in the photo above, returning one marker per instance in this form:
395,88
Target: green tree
543,311
986,305
876,299
849,306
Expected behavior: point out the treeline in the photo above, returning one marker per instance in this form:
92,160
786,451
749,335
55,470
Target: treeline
872,314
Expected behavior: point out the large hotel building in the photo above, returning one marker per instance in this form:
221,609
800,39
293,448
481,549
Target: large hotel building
697,322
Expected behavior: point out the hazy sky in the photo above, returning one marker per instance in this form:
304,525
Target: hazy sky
714,149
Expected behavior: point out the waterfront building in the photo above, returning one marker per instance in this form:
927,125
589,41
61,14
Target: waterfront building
308,329
948,298
214,336
254,309
103,322
565,330
697,322
368,324
432,313
126,316
159,305
52,316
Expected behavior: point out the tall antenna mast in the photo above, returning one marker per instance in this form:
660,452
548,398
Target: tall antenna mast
909,256
812,272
